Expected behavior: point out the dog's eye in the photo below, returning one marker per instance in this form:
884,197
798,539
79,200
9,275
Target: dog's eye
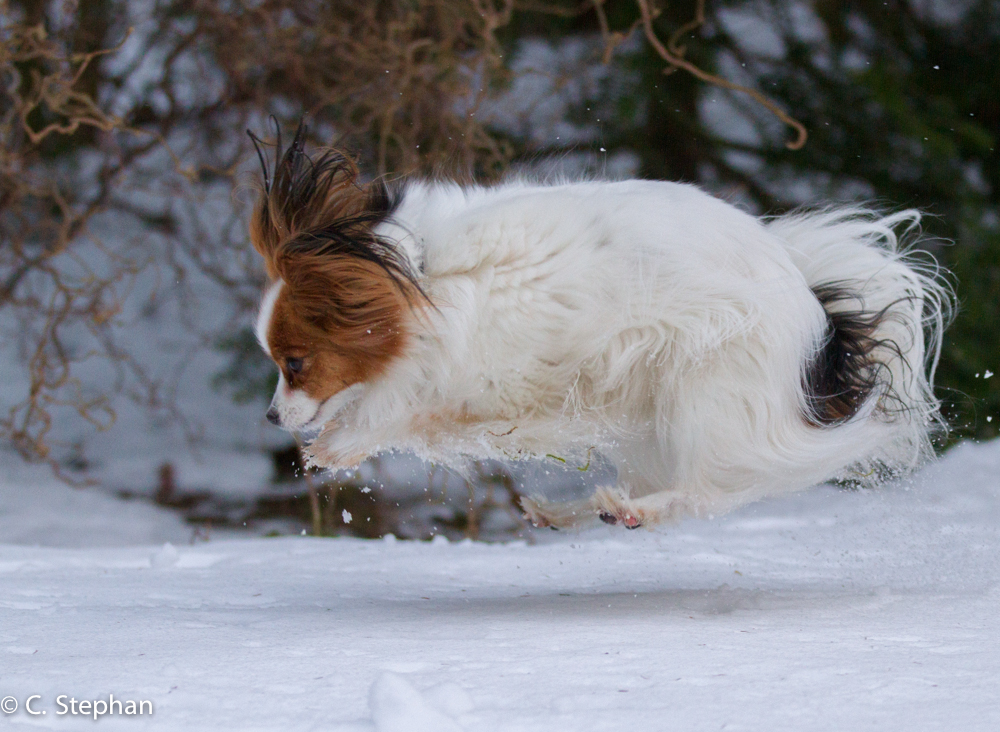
294,365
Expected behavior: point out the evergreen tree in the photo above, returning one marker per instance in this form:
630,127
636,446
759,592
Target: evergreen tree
899,99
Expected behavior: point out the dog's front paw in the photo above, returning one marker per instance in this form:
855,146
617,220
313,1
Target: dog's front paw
331,450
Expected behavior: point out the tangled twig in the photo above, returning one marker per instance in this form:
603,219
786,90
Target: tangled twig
402,82
673,54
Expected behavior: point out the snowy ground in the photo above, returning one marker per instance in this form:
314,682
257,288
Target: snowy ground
830,610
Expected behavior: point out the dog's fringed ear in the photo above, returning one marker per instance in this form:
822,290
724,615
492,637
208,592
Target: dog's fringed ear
349,296
302,196
314,224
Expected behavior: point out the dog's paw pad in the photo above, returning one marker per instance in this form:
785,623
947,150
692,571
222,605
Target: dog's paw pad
624,519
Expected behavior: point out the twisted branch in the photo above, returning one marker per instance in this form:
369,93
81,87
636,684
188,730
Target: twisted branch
673,54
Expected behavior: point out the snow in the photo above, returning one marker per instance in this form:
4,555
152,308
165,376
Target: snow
828,610
398,707
37,508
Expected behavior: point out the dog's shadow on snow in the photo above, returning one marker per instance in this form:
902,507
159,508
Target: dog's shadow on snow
672,603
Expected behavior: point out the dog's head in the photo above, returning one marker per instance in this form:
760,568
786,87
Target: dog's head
334,313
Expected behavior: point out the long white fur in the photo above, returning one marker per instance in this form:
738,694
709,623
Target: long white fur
651,322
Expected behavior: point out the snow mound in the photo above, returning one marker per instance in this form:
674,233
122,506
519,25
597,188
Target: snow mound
450,698
167,556
398,707
37,508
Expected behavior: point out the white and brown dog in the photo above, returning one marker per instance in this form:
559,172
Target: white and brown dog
712,356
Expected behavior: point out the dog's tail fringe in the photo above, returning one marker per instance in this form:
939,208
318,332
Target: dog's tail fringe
886,303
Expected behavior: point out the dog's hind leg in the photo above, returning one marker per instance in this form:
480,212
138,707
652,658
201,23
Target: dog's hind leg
613,506
635,502
559,515
617,507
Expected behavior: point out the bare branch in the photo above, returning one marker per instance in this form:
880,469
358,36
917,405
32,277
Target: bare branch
677,61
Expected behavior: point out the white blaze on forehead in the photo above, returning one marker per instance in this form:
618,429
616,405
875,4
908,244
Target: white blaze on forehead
265,313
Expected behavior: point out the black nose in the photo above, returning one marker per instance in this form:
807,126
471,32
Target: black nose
272,416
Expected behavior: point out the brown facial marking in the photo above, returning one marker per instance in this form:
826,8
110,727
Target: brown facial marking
344,318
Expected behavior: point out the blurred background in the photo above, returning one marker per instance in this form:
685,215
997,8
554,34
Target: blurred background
128,366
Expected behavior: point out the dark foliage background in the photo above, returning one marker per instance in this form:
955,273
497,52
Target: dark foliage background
900,102
103,99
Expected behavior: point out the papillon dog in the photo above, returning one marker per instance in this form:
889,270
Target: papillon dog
712,356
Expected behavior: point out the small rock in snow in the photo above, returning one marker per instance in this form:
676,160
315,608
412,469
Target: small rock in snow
439,539
346,515
397,707
166,556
